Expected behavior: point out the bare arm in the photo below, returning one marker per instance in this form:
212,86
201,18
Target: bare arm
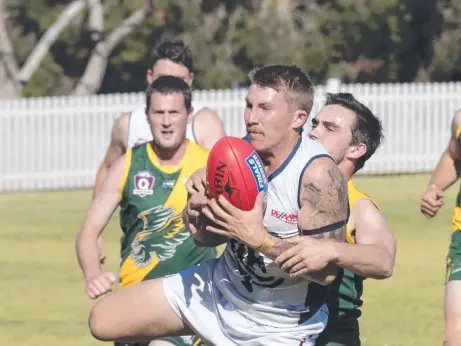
445,173
208,128
102,207
374,254
117,148
323,215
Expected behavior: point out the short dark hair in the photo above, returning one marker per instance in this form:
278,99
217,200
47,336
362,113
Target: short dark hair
174,50
296,84
170,85
367,129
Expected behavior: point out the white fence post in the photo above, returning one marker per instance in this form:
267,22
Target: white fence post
58,142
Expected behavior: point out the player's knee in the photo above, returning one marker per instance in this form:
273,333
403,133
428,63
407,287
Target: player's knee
98,326
452,330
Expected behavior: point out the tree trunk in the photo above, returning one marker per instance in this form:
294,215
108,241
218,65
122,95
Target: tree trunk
96,68
10,88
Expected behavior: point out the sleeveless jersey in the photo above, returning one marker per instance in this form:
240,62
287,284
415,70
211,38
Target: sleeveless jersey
346,292
456,220
155,242
139,129
253,284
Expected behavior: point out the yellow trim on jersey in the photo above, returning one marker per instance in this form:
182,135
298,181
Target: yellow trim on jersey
197,342
354,196
169,169
458,132
456,220
126,171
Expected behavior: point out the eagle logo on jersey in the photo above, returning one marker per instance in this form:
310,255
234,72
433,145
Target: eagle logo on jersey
147,244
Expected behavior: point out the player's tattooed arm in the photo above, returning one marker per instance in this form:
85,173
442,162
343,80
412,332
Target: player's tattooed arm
323,216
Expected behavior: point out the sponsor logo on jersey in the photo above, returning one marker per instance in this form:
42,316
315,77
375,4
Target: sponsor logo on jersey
143,184
168,184
284,216
257,169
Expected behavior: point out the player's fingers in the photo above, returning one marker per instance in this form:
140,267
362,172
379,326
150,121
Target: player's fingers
225,205
286,255
299,272
196,185
291,262
94,290
214,218
302,265
218,231
110,277
431,205
218,209
98,286
426,212
260,201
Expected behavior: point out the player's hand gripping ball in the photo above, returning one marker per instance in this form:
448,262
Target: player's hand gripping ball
235,171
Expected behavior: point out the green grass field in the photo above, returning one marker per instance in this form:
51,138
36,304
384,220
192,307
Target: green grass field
42,300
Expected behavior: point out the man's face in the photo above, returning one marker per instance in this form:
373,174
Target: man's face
165,67
332,127
168,118
268,117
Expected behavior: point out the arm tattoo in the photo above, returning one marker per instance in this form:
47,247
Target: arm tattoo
327,204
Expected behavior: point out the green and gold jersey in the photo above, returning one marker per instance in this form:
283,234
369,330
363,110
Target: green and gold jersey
155,242
456,220
344,297
346,291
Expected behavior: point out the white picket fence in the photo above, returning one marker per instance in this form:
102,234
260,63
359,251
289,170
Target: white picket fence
58,142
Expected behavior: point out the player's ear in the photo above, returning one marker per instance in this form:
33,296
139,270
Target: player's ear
357,151
190,114
299,119
149,76
191,78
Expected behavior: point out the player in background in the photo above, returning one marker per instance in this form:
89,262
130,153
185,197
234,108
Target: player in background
446,173
147,182
204,127
351,133
243,298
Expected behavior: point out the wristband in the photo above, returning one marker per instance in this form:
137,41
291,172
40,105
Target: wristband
267,243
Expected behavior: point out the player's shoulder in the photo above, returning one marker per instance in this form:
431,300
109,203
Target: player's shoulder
359,198
197,152
456,124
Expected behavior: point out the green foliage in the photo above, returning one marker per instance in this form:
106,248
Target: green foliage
355,40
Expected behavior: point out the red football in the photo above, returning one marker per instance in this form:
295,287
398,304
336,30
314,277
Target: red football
235,171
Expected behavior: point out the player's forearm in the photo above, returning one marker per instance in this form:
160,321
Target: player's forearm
367,260
445,173
88,254
100,176
322,277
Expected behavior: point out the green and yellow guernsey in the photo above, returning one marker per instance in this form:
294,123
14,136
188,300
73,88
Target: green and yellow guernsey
453,265
155,242
344,298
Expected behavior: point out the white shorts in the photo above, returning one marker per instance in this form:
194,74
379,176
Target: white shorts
195,298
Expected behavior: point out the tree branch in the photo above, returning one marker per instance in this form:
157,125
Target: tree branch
96,20
49,38
7,58
95,70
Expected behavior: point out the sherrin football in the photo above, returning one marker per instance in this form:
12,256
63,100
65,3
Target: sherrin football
235,171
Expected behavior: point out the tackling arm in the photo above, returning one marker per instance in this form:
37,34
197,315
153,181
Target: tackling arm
102,207
323,215
117,148
445,173
208,128
373,254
